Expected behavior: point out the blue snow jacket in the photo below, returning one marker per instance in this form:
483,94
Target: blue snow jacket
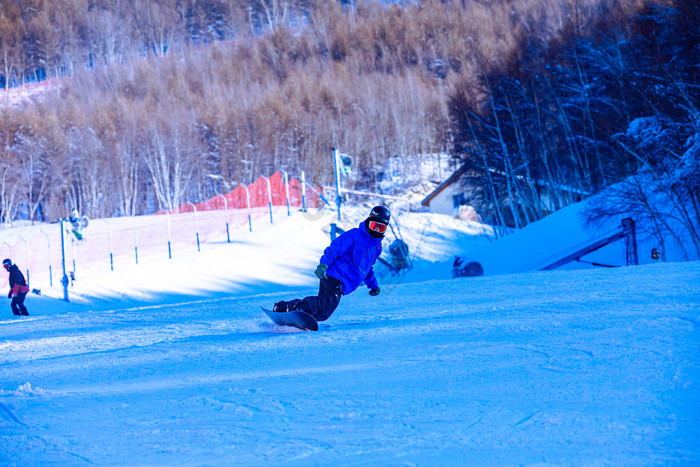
351,257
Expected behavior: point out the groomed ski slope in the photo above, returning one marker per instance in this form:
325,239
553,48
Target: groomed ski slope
584,367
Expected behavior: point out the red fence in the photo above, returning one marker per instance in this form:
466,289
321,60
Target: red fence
275,188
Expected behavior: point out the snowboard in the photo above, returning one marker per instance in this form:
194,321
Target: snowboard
296,319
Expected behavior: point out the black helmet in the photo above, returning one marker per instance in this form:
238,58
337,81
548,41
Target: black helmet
380,214
6,263
377,221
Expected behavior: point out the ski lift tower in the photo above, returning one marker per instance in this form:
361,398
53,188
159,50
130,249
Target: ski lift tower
342,165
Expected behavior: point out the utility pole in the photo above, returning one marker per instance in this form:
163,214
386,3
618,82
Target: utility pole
64,279
337,180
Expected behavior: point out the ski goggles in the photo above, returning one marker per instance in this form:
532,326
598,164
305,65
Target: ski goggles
377,226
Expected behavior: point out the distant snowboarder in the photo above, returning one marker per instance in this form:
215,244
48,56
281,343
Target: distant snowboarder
18,287
345,264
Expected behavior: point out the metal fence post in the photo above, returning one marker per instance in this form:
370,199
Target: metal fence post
136,242
111,245
72,254
247,195
303,191
286,190
269,197
228,236
196,224
170,251
48,256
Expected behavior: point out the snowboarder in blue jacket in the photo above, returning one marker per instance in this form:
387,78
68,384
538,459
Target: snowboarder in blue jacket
345,264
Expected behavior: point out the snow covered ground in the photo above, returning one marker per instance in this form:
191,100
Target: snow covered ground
21,94
172,363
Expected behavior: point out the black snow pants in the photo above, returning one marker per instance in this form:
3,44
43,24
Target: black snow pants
322,306
18,307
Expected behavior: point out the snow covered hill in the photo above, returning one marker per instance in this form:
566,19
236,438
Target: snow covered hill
564,232
272,256
172,363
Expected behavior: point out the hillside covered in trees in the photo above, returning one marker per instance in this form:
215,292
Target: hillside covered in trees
158,102
586,111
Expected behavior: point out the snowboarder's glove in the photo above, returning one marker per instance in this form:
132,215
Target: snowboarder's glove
321,271
9,295
374,292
